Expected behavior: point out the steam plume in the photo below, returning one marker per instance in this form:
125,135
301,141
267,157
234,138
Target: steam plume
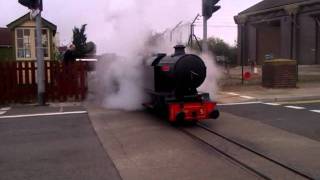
118,82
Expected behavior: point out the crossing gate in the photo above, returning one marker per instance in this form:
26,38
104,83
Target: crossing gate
18,81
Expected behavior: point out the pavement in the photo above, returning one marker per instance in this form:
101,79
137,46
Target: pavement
246,93
233,91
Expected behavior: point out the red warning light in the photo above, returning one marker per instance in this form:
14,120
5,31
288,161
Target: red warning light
165,68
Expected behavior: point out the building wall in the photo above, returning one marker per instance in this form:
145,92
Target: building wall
307,40
28,24
298,35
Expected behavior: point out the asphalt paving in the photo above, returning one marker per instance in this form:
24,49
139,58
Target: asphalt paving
296,117
52,147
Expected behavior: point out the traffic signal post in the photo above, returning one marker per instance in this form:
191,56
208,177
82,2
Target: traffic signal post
208,8
36,7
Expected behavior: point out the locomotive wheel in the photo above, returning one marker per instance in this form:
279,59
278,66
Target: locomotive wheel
215,114
179,119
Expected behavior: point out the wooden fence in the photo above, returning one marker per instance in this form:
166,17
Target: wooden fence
18,81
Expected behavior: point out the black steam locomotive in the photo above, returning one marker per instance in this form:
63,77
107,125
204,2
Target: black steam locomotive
172,82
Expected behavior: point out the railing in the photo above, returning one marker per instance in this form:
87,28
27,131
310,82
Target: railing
18,81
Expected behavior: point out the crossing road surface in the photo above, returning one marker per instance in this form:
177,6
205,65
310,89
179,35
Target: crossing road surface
40,143
302,117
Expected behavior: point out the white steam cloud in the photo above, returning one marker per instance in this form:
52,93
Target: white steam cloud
118,80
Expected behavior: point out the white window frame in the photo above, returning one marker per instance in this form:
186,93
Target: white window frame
26,45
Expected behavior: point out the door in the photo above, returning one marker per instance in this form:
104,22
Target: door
268,41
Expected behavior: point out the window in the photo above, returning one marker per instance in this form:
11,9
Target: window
44,42
23,43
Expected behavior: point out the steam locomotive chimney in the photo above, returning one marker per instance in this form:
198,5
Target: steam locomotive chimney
179,50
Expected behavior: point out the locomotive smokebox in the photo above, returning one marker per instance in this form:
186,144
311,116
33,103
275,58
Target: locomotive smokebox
190,72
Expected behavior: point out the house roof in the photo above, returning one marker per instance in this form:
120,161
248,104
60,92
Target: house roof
5,37
26,17
268,4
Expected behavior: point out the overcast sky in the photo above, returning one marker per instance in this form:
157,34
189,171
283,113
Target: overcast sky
102,16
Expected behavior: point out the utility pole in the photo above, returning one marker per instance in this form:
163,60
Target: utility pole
36,7
205,34
208,8
40,59
192,34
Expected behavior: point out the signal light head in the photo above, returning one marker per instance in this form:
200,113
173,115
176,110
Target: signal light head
209,7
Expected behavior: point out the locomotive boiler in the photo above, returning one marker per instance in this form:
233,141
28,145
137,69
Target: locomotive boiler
171,83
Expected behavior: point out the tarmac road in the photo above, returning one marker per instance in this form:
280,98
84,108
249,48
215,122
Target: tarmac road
301,117
286,132
51,147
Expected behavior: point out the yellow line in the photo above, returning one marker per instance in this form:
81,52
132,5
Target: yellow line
300,102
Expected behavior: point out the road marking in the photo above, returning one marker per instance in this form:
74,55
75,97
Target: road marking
43,114
301,102
272,104
247,97
316,111
2,112
5,109
234,94
295,107
243,103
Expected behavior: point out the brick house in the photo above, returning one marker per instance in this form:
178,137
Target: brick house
280,29
17,41
6,45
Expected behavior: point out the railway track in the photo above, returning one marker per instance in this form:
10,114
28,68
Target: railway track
247,158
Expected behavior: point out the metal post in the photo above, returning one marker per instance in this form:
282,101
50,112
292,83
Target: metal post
40,61
205,35
242,42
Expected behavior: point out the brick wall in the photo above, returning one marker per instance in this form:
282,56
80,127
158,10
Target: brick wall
279,74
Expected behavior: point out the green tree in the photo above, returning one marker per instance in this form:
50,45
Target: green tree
80,41
218,47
